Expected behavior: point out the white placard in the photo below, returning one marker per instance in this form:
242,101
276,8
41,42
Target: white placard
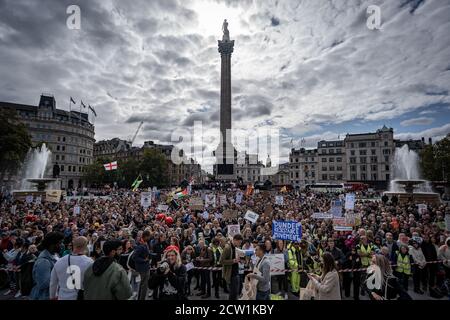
322,215
223,199
350,201
38,200
210,200
76,210
422,208
251,216
13,209
233,229
29,198
162,207
279,200
146,199
205,215
239,196
276,261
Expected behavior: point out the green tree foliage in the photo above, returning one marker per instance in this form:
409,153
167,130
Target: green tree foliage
14,142
153,169
435,161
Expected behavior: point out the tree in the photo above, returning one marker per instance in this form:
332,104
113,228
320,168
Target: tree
435,161
14,142
128,171
95,173
153,169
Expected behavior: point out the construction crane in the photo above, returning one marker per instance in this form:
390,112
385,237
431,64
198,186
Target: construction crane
135,135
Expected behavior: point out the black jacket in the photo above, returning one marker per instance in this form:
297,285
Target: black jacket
171,285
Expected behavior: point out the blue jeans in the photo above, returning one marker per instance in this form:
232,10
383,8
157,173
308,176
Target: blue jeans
263,295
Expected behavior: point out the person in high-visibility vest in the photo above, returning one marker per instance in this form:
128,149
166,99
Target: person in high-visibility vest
403,269
365,251
293,251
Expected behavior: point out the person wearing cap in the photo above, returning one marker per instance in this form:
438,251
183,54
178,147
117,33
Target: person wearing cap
44,264
106,279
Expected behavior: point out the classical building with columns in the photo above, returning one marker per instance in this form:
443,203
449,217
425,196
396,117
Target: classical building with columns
68,135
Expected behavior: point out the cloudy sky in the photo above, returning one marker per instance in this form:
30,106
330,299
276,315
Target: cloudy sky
310,68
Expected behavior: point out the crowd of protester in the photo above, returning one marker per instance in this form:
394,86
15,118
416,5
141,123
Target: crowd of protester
113,248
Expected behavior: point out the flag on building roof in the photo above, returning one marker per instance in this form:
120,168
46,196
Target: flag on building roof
82,104
110,166
93,111
73,101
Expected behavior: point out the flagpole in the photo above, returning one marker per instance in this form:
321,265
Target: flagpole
81,101
70,109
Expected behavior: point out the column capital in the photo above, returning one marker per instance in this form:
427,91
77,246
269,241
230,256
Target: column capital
226,47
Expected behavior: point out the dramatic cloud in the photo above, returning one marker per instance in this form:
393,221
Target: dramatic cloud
417,122
300,66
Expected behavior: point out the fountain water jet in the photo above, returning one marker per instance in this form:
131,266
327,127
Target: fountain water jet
407,184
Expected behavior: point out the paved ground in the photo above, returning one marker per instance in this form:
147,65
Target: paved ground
224,296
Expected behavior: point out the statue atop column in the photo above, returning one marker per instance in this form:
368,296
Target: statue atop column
226,32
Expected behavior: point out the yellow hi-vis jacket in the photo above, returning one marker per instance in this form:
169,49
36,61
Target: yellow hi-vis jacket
403,264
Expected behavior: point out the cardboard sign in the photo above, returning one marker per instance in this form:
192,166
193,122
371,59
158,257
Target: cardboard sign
279,200
162,207
146,199
230,214
276,261
340,224
196,204
53,195
321,215
233,229
76,210
287,230
210,200
251,216
268,210
350,201
353,219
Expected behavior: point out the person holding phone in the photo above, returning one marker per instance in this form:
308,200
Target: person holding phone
327,285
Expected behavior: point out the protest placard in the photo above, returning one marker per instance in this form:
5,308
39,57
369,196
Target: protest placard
336,208
230,214
322,215
340,224
276,262
268,210
146,199
287,230
29,198
205,215
210,200
353,219
350,201
233,229
223,200
422,208
239,196
76,210
196,203
38,200
13,209
279,200
53,195
251,216
162,207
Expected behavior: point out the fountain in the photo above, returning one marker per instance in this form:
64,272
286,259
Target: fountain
33,171
407,184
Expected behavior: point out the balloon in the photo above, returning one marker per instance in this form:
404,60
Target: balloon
160,216
169,220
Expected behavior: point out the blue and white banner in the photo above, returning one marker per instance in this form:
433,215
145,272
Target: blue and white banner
287,230
350,201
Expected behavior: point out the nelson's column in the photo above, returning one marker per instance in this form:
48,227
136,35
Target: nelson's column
225,153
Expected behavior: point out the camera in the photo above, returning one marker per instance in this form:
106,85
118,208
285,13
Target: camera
163,266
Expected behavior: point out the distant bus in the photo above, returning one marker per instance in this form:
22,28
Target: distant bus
326,187
355,186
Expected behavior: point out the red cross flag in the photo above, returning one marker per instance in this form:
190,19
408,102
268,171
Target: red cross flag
110,166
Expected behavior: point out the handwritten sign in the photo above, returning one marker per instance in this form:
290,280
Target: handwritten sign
287,230
53,195
251,216
196,204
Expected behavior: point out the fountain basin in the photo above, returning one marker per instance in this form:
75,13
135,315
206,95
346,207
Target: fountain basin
41,183
417,197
